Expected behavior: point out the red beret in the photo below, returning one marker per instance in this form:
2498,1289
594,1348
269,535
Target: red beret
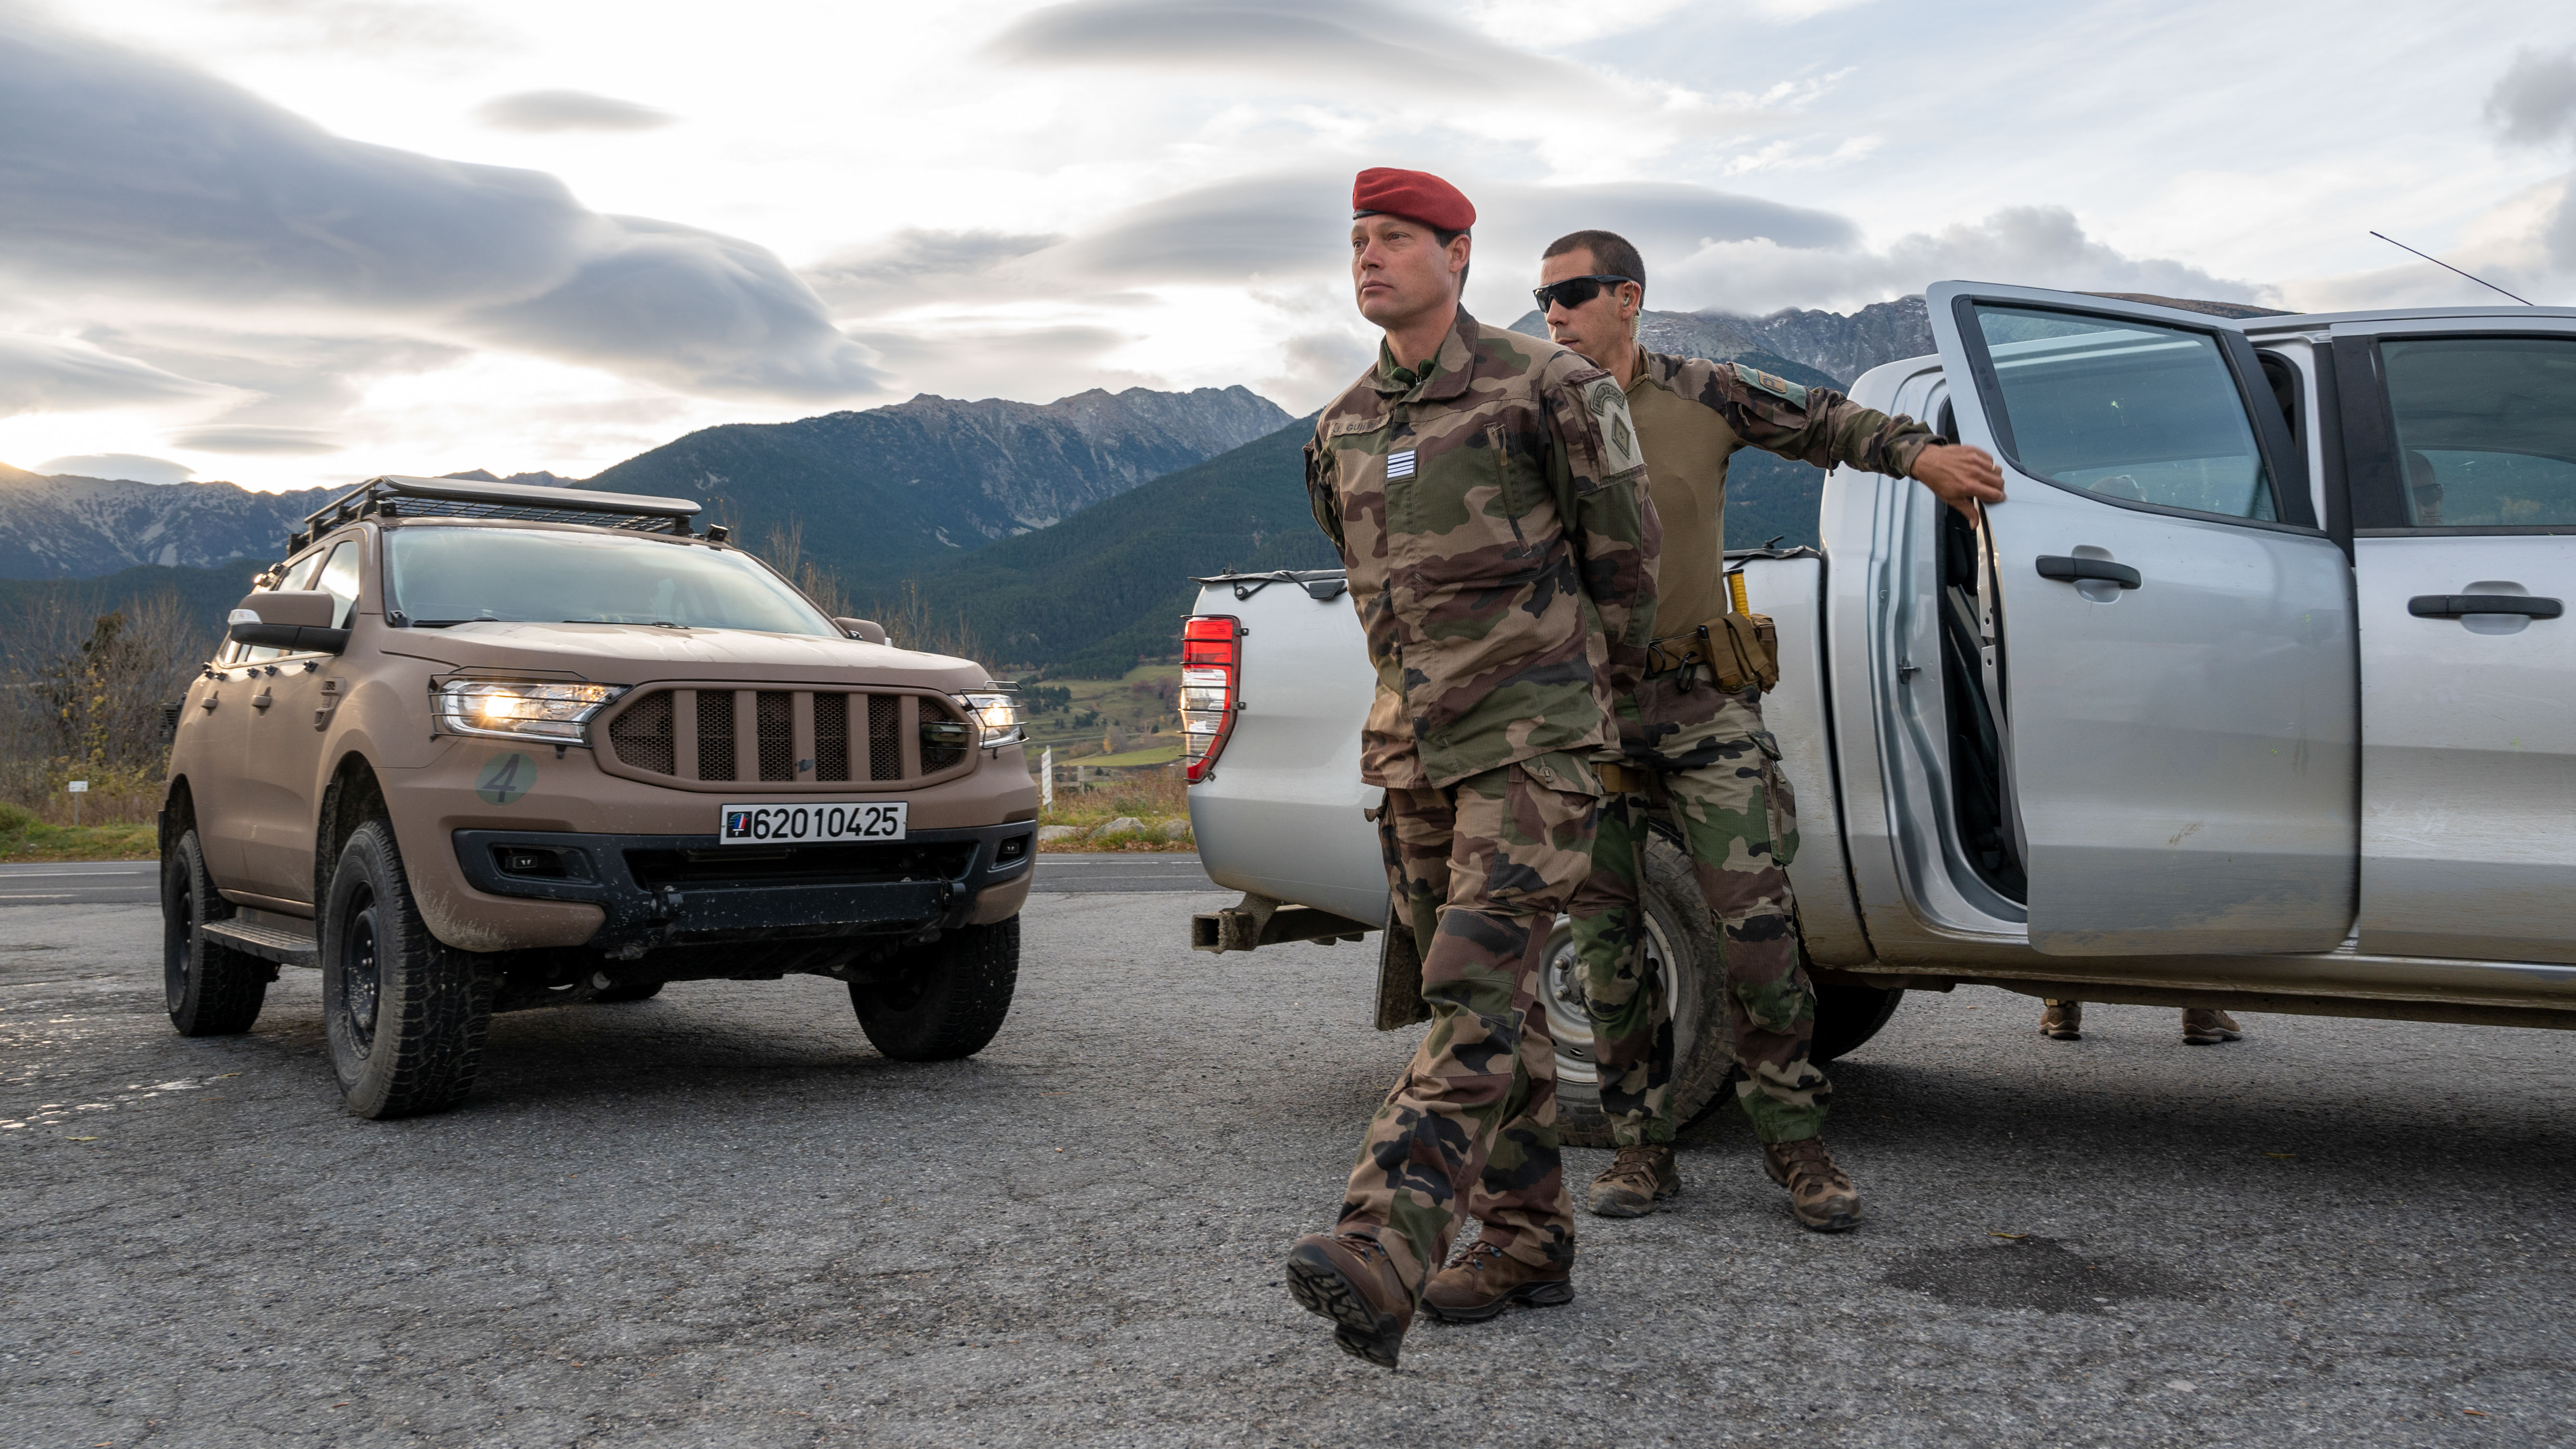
1417,194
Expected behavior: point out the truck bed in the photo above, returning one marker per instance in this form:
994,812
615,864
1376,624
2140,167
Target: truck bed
1280,815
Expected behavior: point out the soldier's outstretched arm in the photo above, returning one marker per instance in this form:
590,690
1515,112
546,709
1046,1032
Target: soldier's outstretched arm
1598,466
1805,424
1821,426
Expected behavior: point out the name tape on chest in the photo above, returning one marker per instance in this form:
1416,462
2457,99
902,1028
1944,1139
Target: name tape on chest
1400,464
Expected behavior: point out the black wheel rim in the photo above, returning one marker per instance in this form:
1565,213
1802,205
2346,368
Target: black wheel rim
361,979
179,941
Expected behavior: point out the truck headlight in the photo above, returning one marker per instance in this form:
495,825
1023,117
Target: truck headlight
522,708
997,714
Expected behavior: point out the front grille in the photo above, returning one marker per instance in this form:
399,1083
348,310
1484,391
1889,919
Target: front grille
642,735
747,865
831,737
885,737
793,739
716,755
777,741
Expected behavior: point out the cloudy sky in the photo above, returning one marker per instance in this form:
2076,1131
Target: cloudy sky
295,242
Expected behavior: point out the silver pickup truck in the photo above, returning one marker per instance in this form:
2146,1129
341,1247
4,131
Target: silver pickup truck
2258,693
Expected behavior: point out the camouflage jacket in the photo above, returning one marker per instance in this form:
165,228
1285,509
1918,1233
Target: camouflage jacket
1691,416
1501,549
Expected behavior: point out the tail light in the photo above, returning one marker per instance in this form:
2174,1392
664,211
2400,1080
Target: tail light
1211,668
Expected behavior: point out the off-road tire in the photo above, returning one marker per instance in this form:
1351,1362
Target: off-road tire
210,988
638,991
419,1048
1847,1017
1703,1051
951,1000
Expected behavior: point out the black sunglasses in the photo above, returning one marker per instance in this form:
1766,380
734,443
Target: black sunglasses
1575,291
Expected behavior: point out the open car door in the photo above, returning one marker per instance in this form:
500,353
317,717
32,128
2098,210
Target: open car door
2177,663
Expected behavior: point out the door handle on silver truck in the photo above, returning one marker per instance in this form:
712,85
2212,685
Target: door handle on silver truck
2452,606
2071,570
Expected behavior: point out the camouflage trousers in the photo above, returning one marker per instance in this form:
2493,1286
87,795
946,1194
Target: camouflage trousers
1738,820
1479,871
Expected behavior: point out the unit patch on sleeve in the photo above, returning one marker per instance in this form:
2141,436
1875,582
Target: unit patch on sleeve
1619,450
1776,386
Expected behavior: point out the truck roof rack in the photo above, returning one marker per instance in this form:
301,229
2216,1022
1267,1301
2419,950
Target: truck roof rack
396,495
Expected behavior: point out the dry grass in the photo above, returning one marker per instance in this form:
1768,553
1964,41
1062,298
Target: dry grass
1152,796
23,837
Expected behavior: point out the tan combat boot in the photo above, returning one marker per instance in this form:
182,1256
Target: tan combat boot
1347,1277
1636,1179
1820,1196
2208,1026
2062,1021
1485,1281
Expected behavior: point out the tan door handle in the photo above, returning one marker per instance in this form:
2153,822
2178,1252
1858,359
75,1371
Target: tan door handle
261,700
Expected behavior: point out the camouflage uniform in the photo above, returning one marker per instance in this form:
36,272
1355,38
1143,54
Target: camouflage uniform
1490,507
1713,770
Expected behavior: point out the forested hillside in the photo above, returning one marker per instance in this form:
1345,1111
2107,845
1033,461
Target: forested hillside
31,608
907,486
1110,584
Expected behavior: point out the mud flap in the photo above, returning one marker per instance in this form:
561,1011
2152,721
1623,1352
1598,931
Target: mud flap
1399,980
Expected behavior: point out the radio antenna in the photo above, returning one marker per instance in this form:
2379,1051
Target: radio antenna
2437,261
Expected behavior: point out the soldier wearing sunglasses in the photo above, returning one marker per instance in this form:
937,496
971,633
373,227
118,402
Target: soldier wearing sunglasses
1699,756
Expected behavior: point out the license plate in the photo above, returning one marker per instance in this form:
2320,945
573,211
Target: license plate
771,824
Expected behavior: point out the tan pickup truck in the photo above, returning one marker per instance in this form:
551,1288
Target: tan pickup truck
476,747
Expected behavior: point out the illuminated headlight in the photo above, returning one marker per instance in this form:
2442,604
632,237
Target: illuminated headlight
998,714
522,709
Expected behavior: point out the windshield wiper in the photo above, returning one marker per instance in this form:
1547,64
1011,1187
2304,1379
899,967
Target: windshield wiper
645,623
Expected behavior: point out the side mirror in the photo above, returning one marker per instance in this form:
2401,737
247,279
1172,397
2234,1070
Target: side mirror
299,623
866,629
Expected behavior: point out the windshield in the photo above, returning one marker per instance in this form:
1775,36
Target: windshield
442,576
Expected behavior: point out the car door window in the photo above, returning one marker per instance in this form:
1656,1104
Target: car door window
2125,410
2486,430
339,579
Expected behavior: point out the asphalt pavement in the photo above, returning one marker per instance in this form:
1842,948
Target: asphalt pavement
719,1218
78,883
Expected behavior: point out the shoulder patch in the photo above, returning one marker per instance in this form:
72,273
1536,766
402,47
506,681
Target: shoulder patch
1609,407
1776,386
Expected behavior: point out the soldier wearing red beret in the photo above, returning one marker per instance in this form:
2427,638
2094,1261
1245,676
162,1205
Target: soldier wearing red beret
1488,497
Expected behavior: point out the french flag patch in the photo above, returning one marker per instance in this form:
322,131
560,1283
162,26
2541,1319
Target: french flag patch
1400,465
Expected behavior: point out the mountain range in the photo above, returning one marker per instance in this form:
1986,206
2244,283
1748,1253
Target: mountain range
875,491
1059,535
70,527
879,491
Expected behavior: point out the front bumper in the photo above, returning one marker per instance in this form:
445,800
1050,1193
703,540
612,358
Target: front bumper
686,890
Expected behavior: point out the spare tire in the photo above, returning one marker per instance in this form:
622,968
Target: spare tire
1679,931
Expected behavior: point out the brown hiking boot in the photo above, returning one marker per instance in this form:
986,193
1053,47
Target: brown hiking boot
1485,1281
1820,1196
1636,1179
2208,1026
2062,1021
1348,1278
